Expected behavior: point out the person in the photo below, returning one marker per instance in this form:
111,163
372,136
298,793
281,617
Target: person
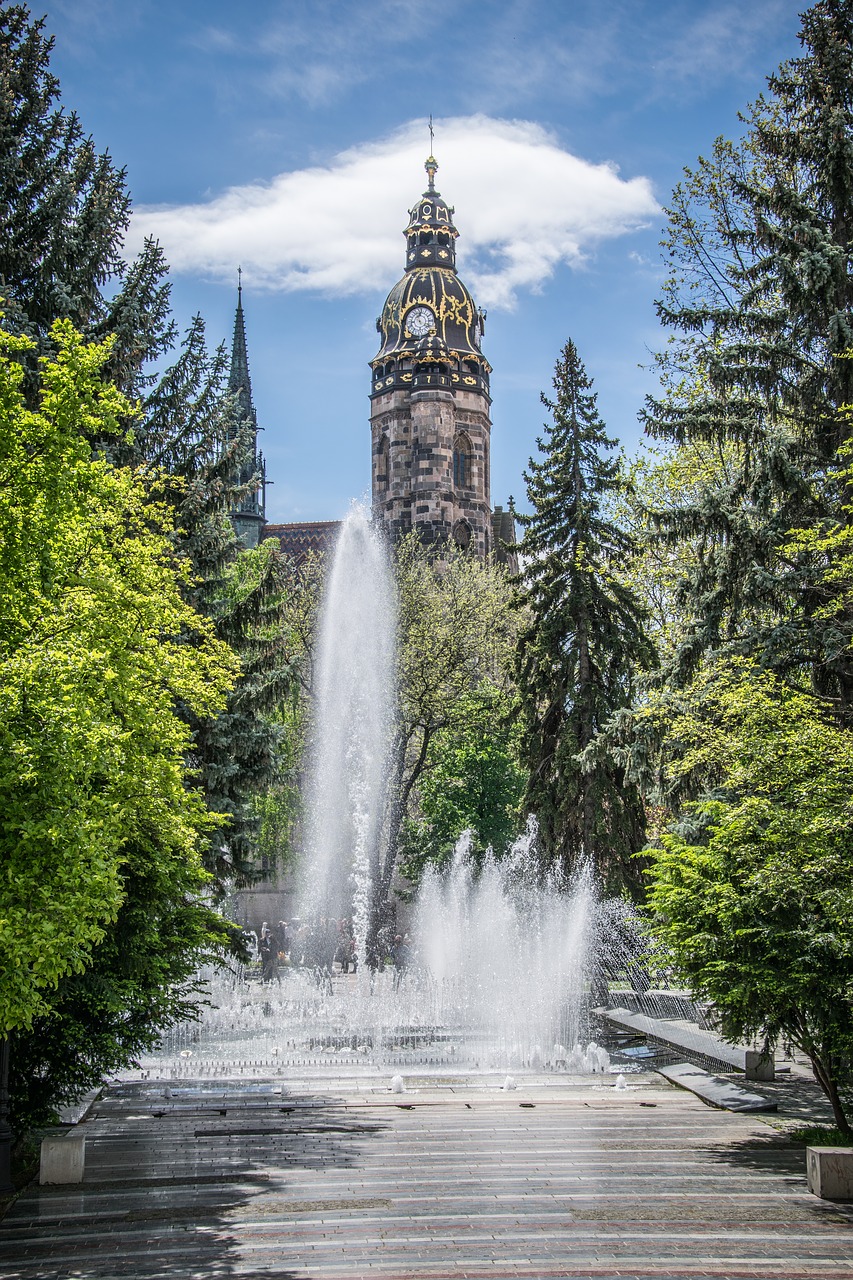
345,954
283,942
268,950
400,955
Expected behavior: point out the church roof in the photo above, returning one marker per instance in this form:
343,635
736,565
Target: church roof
299,539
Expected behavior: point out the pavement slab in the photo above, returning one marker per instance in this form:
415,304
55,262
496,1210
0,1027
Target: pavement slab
571,1181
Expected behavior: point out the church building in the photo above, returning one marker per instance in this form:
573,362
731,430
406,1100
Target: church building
429,406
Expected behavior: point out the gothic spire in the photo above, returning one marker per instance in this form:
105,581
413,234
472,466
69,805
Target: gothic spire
239,382
250,518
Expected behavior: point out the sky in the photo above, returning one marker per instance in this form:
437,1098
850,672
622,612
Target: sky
288,137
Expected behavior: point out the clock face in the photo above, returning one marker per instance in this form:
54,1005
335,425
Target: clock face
419,321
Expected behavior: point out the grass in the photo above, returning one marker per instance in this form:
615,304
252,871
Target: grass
821,1135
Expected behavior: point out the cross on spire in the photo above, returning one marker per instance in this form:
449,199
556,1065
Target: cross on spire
432,164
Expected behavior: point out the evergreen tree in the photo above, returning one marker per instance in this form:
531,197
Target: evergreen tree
760,297
194,439
582,639
64,211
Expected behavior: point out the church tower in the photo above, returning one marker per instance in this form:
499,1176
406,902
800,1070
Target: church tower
250,517
430,397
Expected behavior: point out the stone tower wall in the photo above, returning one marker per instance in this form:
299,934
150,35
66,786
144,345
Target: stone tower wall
413,438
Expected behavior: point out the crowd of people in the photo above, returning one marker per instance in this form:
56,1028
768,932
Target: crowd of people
326,946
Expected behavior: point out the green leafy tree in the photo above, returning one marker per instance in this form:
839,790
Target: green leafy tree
753,891
659,477
279,805
455,634
582,639
97,645
471,781
141,976
64,210
760,306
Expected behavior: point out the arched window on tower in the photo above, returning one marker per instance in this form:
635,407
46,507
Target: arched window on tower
462,534
383,466
461,462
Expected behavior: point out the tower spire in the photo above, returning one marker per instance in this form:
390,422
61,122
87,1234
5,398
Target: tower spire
249,518
239,382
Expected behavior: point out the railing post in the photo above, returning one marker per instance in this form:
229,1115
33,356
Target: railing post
6,1184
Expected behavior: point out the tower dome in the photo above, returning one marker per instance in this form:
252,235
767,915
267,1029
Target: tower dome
430,299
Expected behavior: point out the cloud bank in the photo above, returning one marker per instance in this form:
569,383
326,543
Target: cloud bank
524,205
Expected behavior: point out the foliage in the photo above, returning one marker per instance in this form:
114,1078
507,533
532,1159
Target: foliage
819,1135
97,645
278,807
471,781
759,302
660,477
64,210
753,893
455,636
191,430
582,638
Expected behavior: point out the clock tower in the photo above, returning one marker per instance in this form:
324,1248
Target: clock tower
430,399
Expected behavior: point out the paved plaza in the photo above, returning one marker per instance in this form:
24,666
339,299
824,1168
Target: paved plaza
575,1179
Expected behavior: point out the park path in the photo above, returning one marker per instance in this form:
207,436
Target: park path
466,1183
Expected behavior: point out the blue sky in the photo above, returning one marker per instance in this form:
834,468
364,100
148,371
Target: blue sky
290,138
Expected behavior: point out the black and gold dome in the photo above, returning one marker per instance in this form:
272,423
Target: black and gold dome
430,300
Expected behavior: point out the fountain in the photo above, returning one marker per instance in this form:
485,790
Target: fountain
353,719
494,976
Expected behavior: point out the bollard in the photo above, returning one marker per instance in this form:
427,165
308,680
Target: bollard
62,1158
759,1066
830,1172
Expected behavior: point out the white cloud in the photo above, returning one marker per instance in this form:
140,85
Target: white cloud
524,205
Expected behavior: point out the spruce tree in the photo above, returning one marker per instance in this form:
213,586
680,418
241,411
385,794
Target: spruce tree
64,212
194,438
760,302
582,639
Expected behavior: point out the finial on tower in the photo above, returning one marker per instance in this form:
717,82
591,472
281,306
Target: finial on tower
239,286
432,164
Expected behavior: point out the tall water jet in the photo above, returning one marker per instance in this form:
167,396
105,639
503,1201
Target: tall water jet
352,724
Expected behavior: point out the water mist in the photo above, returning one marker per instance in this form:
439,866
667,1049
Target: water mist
352,723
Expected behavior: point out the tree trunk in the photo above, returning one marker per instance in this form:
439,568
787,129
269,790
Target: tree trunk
826,1080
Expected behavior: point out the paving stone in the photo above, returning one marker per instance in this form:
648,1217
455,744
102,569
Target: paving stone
582,1184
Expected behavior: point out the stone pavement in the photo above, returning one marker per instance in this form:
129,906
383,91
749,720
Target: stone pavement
573,1180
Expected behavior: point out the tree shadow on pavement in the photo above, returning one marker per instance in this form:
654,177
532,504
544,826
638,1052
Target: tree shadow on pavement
184,1192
